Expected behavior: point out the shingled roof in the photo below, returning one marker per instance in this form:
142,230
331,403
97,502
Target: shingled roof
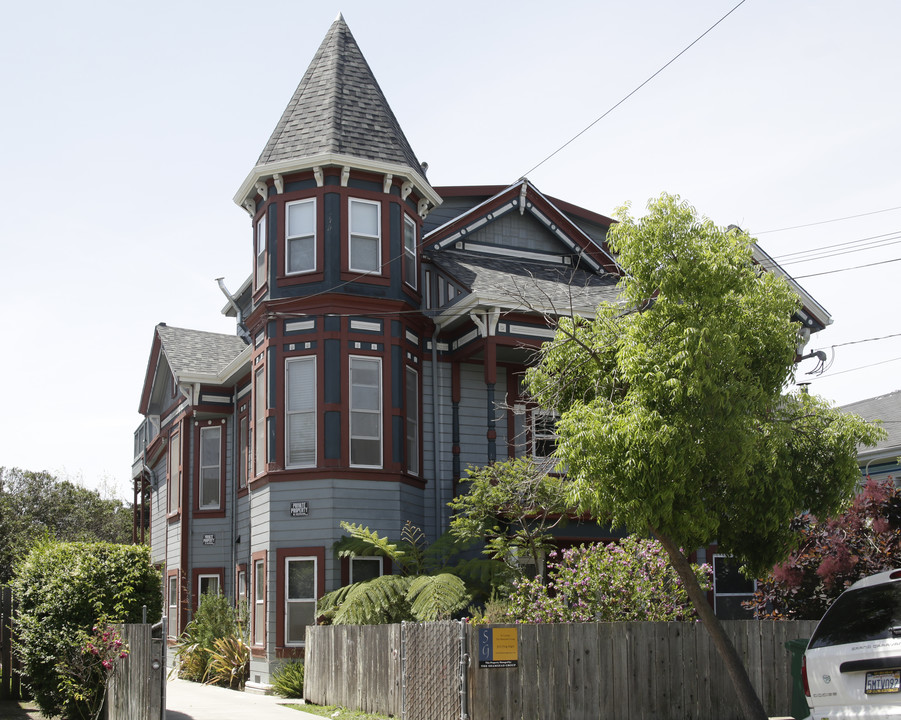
524,282
339,108
886,408
196,353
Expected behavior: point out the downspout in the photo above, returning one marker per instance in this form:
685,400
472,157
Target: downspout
436,441
236,471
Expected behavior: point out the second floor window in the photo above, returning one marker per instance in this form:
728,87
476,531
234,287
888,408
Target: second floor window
300,412
174,473
210,467
300,236
544,433
409,252
260,252
365,236
365,412
412,421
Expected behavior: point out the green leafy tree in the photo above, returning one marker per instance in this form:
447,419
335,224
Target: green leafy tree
513,506
37,505
832,554
428,587
64,590
623,581
673,420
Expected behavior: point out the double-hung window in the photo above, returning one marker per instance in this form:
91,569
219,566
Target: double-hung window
365,568
365,236
174,472
259,602
260,249
173,606
365,412
259,422
300,236
300,597
210,467
410,252
544,433
300,412
412,421
207,585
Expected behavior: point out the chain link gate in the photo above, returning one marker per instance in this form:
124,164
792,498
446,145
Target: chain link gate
432,678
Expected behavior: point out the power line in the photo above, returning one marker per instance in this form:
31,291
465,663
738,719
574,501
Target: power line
858,342
844,248
824,222
595,122
862,367
855,267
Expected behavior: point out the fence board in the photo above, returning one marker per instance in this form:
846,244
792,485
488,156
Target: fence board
136,689
529,670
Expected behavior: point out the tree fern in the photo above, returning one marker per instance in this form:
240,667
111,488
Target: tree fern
437,597
374,602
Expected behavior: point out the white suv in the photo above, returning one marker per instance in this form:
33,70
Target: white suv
852,666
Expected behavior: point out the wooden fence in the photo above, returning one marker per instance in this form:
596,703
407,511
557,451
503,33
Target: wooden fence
10,680
137,690
594,670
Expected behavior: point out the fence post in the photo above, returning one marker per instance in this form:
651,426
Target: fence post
464,670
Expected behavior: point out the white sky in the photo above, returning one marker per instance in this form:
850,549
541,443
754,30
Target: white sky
126,128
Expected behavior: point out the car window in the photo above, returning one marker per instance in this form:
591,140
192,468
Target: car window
868,613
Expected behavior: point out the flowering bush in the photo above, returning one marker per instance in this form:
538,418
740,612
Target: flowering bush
832,554
629,580
85,674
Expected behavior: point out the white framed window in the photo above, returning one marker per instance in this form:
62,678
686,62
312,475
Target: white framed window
259,602
172,606
365,236
260,252
410,274
300,597
174,472
243,452
412,421
544,433
207,585
241,582
366,568
365,412
300,412
300,236
259,422
210,467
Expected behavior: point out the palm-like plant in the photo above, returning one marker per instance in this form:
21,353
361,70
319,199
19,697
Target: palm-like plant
428,587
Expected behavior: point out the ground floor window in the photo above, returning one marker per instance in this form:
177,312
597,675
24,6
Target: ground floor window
365,568
259,602
731,589
300,597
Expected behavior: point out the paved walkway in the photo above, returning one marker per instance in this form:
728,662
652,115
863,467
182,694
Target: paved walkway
193,701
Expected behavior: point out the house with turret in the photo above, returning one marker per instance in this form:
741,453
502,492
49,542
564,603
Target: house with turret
381,338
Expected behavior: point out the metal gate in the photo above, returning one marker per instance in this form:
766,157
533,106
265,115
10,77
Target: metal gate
432,663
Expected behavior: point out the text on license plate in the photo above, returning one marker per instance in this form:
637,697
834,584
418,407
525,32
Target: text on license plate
883,681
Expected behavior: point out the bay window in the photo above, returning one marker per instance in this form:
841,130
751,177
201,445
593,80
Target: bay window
210,467
300,236
365,412
300,412
365,252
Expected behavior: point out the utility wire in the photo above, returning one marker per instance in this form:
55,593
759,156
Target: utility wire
862,367
858,342
595,122
855,267
824,222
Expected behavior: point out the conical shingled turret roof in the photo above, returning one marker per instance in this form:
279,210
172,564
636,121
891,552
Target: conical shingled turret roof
339,108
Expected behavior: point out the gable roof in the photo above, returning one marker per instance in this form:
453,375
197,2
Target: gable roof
886,408
192,356
523,197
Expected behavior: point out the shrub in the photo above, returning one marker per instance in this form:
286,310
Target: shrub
630,580
201,653
63,591
287,680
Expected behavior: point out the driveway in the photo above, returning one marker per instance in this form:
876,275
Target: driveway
193,701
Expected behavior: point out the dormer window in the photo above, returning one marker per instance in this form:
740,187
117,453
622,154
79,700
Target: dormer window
260,252
300,236
410,252
365,236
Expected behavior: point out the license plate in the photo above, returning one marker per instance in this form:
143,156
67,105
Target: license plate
883,681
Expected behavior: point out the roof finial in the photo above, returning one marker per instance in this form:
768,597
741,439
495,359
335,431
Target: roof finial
340,17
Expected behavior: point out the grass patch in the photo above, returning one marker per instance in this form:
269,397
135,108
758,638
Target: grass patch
338,713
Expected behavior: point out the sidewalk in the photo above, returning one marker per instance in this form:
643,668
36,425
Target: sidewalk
194,701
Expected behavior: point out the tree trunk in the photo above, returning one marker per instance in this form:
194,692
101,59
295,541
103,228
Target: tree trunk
751,707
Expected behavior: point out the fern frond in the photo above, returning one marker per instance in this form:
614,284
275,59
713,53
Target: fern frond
365,542
437,597
377,601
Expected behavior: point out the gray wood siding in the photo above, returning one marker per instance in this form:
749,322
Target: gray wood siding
445,437
158,500
474,416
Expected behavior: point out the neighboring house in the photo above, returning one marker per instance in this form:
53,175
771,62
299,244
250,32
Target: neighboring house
881,461
381,342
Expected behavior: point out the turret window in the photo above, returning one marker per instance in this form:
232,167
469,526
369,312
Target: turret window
300,236
410,252
260,252
365,236
300,411
365,412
